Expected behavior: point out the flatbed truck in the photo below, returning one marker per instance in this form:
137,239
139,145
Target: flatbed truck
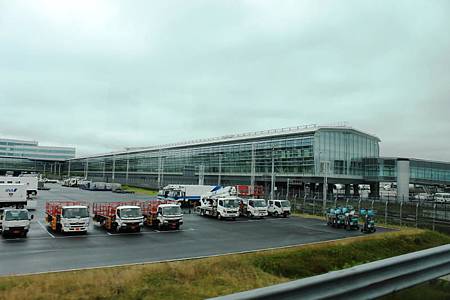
119,216
67,216
163,214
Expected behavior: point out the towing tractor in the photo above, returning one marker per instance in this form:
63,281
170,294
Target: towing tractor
119,216
68,216
279,208
220,207
162,214
15,222
253,208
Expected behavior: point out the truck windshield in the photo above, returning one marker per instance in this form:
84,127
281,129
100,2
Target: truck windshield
16,215
132,212
75,212
172,210
285,204
259,203
230,203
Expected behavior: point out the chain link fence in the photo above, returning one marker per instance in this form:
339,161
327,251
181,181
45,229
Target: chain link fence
413,213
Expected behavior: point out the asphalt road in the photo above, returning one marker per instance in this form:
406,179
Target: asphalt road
45,250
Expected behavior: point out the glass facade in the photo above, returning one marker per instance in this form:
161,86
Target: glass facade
345,151
294,155
31,149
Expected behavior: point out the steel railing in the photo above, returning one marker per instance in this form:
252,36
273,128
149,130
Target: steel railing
368,281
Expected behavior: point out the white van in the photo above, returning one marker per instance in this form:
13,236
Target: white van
442,197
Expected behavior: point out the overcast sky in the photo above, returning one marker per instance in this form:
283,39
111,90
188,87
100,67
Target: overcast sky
103,75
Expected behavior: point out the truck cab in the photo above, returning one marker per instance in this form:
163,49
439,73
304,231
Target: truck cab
169,216
74,218
254,208
279,208
228,207
15,222
129,217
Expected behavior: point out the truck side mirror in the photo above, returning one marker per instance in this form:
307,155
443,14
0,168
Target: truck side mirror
31,217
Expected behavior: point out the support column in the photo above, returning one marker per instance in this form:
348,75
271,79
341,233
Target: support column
375,190
113,175
356,190
347,190
403,174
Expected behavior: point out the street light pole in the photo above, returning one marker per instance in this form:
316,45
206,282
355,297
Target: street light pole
325,166
287,190
272,186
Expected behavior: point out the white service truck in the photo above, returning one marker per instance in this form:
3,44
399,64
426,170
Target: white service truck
185,192
220,207
15,195
15,222
279,208
253,208
31,182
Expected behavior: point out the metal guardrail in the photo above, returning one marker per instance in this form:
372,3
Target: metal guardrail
368,281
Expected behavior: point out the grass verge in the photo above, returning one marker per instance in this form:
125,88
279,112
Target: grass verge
139,190
203,278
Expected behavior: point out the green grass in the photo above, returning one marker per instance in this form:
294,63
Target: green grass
209,277
139,190
433,290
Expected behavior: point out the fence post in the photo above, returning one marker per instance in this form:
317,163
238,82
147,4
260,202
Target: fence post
372,203
346,202
386,212
401,210
434,216
304,204
417,214
314,206
359,205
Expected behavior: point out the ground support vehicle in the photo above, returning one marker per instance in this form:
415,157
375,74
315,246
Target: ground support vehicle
336,217
15,195
278,208
15,222
186,192
351,220
220,207
119,216
253,208
163,214
30,182
67,216
368,216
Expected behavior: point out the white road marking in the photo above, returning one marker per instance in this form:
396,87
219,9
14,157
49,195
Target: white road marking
46,230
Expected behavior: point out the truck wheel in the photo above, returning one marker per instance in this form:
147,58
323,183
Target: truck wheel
24,234
275,214
219,217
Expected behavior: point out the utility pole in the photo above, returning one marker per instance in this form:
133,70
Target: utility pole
325,166
287,190
253,169
219,179
272,186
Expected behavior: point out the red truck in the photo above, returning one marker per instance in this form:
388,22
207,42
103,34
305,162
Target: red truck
67,216
162,214
118,216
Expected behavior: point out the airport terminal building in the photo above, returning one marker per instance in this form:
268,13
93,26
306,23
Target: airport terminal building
298,156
